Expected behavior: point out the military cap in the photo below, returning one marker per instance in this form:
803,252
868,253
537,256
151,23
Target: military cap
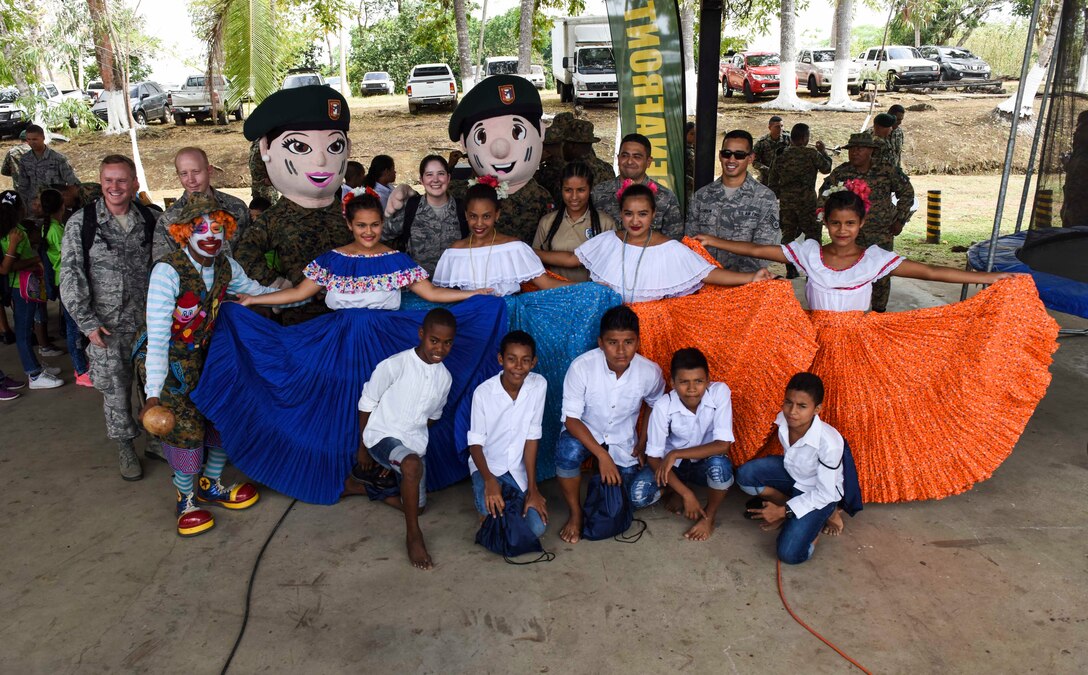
198,205
315,106
884,120
862,140
559,129
495,96
581,131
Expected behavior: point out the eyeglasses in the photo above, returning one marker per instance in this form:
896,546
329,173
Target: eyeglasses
736,154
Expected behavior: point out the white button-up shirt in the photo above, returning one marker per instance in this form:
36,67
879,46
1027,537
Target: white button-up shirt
673,427
815,464
401,395
609,405
501,425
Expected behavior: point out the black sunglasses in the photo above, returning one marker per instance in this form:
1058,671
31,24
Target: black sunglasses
737,154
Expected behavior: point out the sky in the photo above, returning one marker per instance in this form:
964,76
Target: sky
169,21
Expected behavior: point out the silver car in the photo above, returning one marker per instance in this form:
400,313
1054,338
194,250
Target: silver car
377,82
815,67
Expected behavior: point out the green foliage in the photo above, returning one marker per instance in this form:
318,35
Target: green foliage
940,20
991,42
67,114
865,36
397,43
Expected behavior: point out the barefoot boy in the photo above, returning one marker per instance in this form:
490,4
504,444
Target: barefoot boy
403,397
507,411
603,393
689,434
800,490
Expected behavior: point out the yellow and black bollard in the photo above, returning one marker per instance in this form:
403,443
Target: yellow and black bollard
933,217
1043,210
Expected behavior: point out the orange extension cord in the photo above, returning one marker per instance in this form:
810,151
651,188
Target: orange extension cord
804,625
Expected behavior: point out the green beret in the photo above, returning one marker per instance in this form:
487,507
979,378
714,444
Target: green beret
315,106
885,120
862,140
495,96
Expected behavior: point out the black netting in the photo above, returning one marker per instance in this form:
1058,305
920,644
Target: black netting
1063,159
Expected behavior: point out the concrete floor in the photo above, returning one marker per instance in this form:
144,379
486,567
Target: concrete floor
93,578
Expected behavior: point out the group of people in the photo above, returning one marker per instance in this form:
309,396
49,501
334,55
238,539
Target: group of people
407,340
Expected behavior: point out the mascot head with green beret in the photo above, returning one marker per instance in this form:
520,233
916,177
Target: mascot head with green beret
498,125
304,143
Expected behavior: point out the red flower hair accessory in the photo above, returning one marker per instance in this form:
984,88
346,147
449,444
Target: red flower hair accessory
501,187
627,182
355,193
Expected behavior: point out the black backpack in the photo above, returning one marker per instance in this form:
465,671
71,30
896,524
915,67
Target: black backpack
400,242
90,229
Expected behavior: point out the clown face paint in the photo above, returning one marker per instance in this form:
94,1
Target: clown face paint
207,238
308,166
508,147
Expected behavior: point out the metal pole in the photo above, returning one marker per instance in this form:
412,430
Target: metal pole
706,95
1040,122
1012,137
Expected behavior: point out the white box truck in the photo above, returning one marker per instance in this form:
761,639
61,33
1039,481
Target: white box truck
582,60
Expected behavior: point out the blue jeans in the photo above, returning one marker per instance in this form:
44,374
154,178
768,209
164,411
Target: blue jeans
77,344
390,452
24,331
532,518
795,539
714,472
569,455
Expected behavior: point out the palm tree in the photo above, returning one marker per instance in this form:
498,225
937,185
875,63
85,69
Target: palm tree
114,81
525,36
787,57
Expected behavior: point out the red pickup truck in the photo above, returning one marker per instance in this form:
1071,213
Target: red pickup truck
754,73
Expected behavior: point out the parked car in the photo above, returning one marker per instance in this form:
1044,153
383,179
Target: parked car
754,73
301,79
148,101
431,84
956,63
95,89
194,101
13,119
536,76
377,82
815,67
897,65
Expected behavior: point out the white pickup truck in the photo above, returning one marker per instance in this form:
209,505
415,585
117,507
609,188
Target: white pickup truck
193,100
431,84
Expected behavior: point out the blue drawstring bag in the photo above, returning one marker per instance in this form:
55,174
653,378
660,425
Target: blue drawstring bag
509,535
851,489
608,513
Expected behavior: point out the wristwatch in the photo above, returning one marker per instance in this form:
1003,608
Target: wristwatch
789,512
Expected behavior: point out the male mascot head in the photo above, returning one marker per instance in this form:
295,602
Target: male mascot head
303,134
498,125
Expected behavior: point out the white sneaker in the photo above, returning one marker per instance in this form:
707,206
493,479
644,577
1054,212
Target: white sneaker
52,370
45,380
50,351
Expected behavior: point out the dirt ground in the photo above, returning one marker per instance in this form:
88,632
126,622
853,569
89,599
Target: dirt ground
957,147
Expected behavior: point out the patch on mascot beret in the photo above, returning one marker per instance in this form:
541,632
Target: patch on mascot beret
312,107
495,96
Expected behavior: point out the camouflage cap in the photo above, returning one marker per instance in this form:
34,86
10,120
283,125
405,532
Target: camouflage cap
198,205
495,96
315,106
581,131
862,140
559,129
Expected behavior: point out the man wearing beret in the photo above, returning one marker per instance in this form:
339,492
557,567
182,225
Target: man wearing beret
898,112
768,147
883,126
884,220
303,141
498,125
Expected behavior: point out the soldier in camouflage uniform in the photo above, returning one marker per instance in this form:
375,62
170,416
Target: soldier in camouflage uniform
885,220
260,185
898,112
736,206
498,125
193,172
768,147
107,298
41,167
304,144
552,163
793,181
883,128
579,148
634,159
11,160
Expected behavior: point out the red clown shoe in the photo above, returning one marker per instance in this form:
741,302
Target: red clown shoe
192,520
237,496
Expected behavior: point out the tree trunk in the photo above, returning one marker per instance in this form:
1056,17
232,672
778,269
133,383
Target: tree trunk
917,36
464,48
787,78
525,36
113,80
687,32
1050,24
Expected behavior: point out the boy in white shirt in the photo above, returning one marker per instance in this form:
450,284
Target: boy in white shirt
689,433
604,391
800,490
403,397
504,435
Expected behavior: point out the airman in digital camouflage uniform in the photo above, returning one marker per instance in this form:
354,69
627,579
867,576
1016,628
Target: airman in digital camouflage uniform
305,147
768,147
498,125
107,299
793,181
884,220
634,159
579,148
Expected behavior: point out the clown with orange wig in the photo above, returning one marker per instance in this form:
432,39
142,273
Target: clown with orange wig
184,294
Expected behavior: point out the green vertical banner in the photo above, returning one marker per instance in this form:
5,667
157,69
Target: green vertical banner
646,42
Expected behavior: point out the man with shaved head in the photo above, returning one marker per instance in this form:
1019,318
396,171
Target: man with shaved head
194,174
